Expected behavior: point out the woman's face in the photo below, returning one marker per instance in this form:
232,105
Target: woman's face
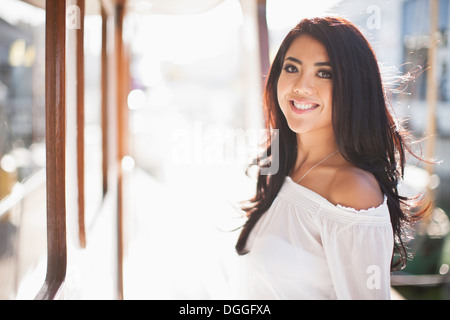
305,86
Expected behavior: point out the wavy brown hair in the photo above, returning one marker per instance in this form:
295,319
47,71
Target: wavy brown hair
366,133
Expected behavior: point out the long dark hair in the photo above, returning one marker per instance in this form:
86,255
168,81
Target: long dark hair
366,133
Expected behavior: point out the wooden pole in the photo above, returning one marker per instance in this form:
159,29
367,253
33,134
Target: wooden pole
263,35
121,136
80,126
431,96
104,100
55,117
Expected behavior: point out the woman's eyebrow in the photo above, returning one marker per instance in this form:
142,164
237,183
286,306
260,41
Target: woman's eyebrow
317,64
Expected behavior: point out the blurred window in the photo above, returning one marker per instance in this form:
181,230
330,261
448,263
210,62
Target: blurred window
22,145
416,26
92,111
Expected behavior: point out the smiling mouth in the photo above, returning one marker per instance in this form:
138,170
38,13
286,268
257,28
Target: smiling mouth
303,106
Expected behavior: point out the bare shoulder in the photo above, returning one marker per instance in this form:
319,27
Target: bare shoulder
355,188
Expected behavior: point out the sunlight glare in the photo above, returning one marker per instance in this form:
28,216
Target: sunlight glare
283,14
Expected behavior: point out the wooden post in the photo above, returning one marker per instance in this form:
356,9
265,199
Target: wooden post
104,101
55,109
263,35
80,125
431,95
121,136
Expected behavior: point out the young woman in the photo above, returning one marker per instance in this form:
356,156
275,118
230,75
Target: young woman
326,224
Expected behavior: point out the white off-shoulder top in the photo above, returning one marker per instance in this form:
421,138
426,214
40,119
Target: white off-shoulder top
305,247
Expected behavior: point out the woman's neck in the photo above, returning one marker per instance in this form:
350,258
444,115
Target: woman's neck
312,147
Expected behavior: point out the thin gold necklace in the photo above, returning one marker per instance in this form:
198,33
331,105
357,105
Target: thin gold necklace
323,160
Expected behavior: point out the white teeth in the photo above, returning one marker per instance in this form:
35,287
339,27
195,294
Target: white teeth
304,106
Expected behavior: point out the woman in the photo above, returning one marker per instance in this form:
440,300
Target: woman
326,224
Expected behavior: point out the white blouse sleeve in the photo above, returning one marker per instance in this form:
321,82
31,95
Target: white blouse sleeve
358,247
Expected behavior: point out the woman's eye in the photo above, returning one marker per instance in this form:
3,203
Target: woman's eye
324,74
290,69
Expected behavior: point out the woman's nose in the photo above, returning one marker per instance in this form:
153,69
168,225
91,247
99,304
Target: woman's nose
304,85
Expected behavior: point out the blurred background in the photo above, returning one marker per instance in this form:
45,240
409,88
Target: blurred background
195,119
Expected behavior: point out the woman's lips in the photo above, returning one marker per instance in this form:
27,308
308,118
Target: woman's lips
301,107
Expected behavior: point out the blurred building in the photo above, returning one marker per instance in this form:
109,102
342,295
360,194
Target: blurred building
399,32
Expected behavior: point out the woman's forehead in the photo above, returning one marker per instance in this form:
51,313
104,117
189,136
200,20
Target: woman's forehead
305,48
